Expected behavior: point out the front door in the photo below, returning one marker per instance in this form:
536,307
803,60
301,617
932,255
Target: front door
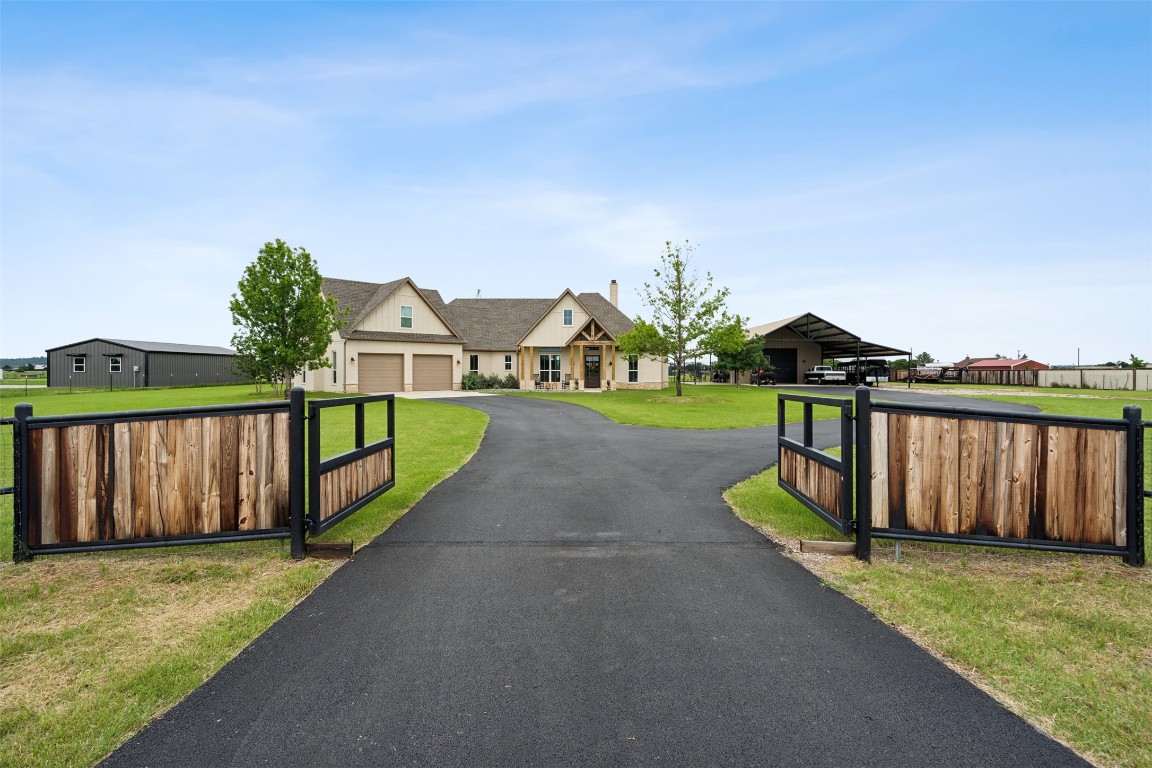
591,371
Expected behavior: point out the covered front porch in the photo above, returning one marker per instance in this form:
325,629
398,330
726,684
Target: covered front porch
578,366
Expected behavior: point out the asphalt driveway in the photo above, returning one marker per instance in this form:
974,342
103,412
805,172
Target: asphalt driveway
579,595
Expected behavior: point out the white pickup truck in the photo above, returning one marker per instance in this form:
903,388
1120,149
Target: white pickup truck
825,374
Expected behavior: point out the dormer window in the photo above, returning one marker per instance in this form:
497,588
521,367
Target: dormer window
405,316
567,318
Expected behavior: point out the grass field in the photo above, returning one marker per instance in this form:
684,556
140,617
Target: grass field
94,646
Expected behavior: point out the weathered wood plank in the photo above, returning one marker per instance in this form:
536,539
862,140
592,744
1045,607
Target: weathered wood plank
158,481
246,480
47,469
229,473
105,476
897,470
86,483
210,474
1022,479
175,508
1120,492
140,451
67,505
193,491
879,440
919,517
265,461
280,472
124,521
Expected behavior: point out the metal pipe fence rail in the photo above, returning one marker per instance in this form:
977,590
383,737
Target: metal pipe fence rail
820,481
970,476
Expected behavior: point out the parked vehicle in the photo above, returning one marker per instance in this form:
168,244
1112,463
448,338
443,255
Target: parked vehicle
825,374
761,378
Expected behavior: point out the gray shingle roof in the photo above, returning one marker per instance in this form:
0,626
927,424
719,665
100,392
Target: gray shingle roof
482,324
609,316
397,336
495,324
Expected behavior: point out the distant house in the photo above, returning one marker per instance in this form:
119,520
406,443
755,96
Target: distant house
1005,364
399,337
121,363
968,361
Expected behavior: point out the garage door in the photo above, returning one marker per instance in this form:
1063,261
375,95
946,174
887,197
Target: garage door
431,372
381,373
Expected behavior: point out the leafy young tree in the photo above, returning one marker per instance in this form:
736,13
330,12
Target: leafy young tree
285,322
1135,362
924,358
749,357
685,313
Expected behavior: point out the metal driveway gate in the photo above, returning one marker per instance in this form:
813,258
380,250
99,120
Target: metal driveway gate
974,476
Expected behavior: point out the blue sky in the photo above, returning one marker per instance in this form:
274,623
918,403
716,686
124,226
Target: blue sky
962,178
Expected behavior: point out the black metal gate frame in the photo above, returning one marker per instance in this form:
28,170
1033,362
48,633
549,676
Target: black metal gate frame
25,421
304,452
1133,552
845,522
317,467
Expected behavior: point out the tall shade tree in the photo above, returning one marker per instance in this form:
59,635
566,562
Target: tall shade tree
686,313
285,322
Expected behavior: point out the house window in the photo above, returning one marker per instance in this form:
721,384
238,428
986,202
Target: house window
333,367
507,362
474,363
567,317
549,367
78,365
633,369
405,316
113,365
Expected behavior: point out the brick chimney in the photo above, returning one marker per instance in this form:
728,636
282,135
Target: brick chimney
614,294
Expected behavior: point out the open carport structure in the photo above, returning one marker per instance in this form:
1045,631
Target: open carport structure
795,344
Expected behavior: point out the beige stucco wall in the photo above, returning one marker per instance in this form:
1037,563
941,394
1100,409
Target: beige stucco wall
386,317
551,331
347,379
492,363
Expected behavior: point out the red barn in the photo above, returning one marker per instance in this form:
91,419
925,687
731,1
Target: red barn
1005,364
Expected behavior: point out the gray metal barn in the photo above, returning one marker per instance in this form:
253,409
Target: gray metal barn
120,363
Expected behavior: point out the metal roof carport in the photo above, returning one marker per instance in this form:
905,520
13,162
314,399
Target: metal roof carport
834,342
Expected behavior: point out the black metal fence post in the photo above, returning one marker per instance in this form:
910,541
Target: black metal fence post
359,425
313,467
1135,501
296,448
846,466
21,547
864,474
807,425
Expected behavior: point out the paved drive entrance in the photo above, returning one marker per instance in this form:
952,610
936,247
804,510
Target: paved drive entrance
579,595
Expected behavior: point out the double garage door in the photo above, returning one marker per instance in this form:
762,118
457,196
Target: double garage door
385,373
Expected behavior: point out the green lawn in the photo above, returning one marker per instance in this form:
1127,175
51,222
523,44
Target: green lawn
94,646
703,406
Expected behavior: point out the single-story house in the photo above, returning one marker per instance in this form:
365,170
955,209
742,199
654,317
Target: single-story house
1006,364
398,337
797,344
104,362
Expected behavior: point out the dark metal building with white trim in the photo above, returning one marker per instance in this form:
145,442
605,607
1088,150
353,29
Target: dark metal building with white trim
120,363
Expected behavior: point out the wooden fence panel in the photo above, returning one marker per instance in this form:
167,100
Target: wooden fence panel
949,475
166,477
817,481
345,485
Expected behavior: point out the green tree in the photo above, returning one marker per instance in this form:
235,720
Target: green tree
748,357
686,313
1135,362
924,358
285,322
